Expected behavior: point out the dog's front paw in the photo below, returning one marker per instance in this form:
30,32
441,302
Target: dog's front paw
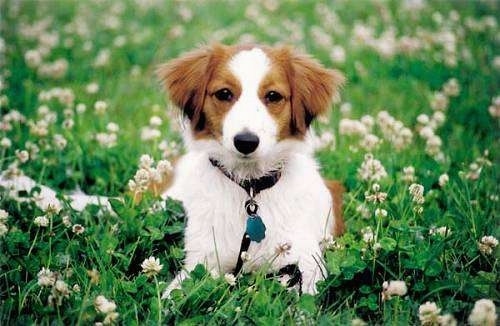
175,284
309,279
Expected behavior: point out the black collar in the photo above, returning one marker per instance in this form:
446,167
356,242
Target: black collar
257,185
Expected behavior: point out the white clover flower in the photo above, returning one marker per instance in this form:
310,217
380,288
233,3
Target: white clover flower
417,192
155,175
78,229
133,187
92,88
380,212
54,70
337,54
164,167
110,318
46,277
33,58
326,139
409,174
169,149
345,109
3,229
104,305
363,210
62,288
68,123
369,142
494,108
59,141
367,234
428,313
368,121
443,180
426,132
439,102
393,288
487,244
5,142
496,62
245,256
438,119
148,133
155,121
41,221
352,127
371,169
483,313
106,140
151,266
283,249
100,107
66,220
146,161
4,100
358,322
102,58
451,88
375,197
81,108
112,127
4,215
433,145
447,320
423,119
76,288
142,178
230,279
23,156
39,128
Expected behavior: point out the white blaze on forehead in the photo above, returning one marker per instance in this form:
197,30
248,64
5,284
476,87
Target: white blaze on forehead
250,67
249,113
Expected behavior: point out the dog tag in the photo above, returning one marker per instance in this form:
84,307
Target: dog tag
256,229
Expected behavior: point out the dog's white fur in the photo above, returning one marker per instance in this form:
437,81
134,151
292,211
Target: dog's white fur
296,211
249,113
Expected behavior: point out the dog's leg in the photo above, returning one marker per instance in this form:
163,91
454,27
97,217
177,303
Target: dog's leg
175,283
336,190
312,269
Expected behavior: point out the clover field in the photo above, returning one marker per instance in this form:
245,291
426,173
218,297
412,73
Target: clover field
414,137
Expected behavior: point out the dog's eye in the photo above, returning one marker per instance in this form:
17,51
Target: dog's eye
273,97
224,95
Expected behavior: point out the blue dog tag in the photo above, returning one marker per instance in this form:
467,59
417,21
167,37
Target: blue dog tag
256,229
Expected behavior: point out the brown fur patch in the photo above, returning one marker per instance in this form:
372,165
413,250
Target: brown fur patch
186,80
312,86
337,190
215,110
276,80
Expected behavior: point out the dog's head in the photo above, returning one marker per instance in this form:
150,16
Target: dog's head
249,105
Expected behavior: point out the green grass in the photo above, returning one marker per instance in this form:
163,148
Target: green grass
449,270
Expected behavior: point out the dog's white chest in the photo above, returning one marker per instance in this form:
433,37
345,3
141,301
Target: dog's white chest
296,212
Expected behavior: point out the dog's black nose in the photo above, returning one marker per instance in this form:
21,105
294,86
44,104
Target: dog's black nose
246,142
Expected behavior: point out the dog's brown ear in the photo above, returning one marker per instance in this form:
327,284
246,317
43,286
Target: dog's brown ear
313,88
186,79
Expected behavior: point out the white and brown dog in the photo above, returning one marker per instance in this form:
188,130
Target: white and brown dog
248,182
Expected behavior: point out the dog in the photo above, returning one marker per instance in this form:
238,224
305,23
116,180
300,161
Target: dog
249,184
